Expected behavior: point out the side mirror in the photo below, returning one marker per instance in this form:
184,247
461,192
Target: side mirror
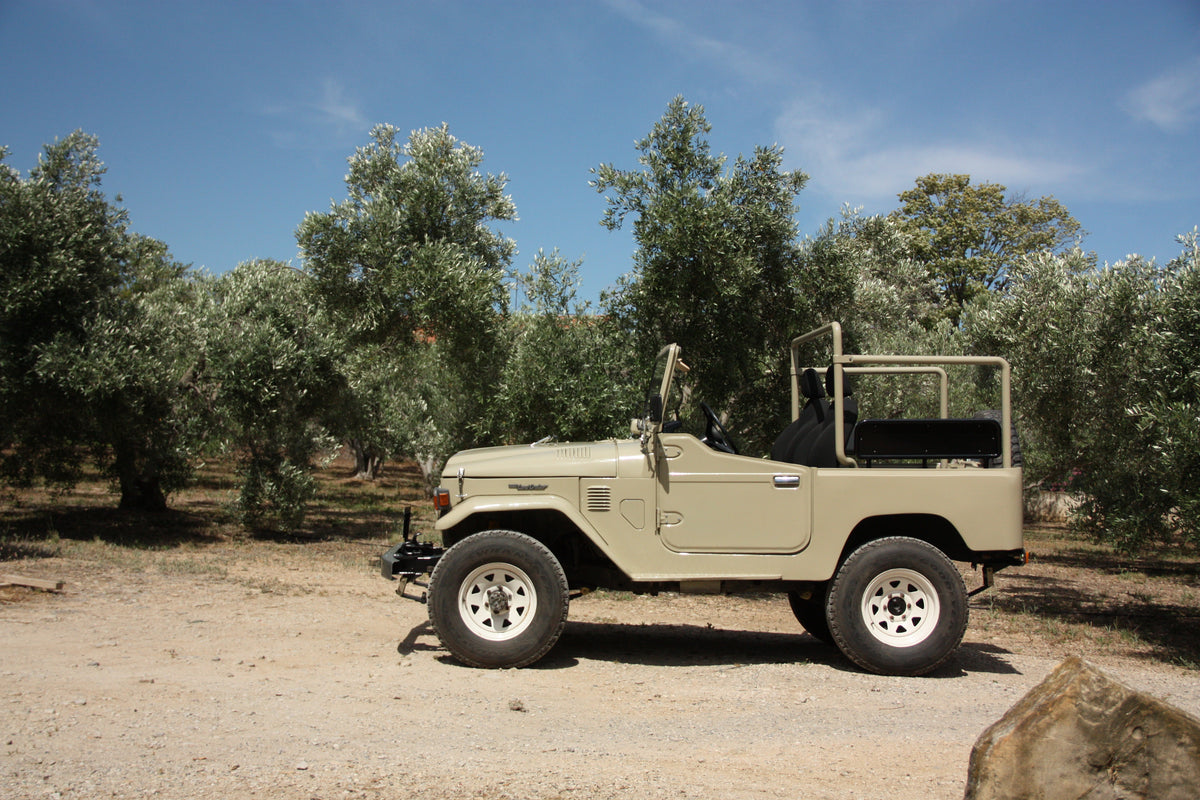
655,408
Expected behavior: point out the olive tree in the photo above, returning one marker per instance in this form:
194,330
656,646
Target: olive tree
716,248
98,335
564,374
61,256
276,360
970,236
1104,383
139,375
1173,407
409,263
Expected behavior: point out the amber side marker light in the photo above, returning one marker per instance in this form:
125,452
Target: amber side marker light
441,500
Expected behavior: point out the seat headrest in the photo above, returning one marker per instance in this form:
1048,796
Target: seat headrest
847,389
810,384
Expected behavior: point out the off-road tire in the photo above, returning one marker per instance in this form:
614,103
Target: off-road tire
897,606
498,599
810,613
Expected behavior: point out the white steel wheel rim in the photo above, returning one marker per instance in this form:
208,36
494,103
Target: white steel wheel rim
900,608
497,601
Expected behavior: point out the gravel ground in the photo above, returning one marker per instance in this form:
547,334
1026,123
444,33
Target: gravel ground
282,675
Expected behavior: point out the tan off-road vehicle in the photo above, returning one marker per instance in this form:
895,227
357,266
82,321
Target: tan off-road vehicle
858,521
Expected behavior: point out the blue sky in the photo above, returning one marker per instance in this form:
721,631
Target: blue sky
221,124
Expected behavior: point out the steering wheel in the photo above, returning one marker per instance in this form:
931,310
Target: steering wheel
715,435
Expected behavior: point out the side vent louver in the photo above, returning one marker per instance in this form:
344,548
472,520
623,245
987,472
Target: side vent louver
599,499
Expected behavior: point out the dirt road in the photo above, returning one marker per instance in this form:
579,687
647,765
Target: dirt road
285,673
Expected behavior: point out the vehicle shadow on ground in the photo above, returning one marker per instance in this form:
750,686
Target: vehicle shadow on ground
668,646
676,645
672,645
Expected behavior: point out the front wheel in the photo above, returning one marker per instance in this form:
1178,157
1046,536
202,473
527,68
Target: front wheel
498,599
897,606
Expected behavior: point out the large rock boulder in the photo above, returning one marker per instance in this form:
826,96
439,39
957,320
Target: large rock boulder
1079,735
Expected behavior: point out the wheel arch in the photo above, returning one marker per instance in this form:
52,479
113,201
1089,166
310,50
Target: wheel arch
930,528
579,550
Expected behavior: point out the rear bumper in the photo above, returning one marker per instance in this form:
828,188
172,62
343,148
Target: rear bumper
999,559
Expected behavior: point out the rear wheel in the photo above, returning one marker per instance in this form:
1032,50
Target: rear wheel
897,606
498,599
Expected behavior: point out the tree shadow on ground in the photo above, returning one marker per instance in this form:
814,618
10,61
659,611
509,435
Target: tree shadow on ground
1116,564
1154,620
32,533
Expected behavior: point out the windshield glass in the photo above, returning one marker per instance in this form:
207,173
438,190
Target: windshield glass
660,382
663,395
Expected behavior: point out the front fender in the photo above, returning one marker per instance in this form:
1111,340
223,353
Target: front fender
485,505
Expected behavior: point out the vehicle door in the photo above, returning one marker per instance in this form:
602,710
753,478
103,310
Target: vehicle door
712,502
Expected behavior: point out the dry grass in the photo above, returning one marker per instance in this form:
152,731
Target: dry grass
349,525
1076,595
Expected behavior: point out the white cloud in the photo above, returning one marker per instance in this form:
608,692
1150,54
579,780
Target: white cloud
747,64
1170,101
331,116
336,108
863,155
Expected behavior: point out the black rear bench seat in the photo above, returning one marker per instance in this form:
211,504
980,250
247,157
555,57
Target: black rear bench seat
925,439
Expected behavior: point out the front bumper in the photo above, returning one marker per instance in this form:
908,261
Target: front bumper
410,559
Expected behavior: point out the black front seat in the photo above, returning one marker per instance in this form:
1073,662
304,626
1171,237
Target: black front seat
816,448
814,413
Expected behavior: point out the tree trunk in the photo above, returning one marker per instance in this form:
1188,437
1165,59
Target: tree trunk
143,493
428,464
141,489
368,461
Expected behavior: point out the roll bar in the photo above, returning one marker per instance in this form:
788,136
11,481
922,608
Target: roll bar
854,364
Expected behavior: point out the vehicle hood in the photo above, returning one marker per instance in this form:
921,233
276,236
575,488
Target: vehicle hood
557,460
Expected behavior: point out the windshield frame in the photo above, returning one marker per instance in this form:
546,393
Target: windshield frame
665,364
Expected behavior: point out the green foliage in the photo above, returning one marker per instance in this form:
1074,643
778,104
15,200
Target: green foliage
275,359
138,372
96,335
61,252
1170,412
970,236
716,252
369,416
863,272
564,375
1104,380
410,249
409,270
